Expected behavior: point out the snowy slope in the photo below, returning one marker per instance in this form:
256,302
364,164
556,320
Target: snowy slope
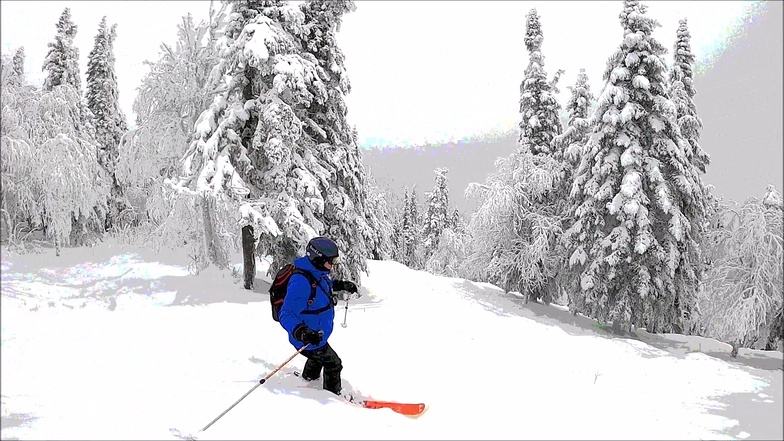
120,343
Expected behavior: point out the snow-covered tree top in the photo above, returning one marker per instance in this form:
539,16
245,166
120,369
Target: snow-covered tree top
772,197
684,59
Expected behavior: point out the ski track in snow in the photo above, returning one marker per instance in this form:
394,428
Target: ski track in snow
120,343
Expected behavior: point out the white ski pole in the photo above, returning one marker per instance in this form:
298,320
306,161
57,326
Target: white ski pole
345,315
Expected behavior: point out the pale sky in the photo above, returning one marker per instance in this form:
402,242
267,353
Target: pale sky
421,72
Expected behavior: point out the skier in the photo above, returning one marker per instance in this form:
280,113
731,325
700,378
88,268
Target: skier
311,322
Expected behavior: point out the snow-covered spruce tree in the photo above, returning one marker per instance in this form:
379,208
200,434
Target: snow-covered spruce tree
400,220
682,93
569,144
103,102
681,89
347,215
515,230
445,239
694,197
412,249
437,211
17,63
170,99
456,222
539,107
567,148
380,216
251,140
772,197
61,66
62,60
742,300
631,246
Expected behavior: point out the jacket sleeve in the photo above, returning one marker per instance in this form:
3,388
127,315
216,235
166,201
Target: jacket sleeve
295,302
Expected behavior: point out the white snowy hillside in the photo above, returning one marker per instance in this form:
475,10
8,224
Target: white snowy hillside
116,342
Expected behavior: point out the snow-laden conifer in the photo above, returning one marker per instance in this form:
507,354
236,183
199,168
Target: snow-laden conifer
106,116
540,110
632,246
62,60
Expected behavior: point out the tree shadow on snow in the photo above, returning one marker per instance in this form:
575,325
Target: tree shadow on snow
14,420
501,303
205,289
758,415
497,301
681,346
41,287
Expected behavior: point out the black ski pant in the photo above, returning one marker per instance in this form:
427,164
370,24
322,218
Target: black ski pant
324,358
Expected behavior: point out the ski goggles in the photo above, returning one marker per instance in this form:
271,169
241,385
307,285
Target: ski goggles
334,260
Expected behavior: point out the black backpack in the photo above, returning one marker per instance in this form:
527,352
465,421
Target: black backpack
280,284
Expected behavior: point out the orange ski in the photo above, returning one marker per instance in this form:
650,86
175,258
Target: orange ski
409,409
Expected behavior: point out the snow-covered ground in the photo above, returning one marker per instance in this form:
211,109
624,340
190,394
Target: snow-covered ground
116,342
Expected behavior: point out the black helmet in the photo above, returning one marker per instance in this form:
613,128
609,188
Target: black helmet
321,250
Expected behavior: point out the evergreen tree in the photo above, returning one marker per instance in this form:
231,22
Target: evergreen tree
514,232
381,243
258,148
437,214
103,102
568,148
694,198
400,226
18,62
682,92
538,105
62,60
569,144
414,246
631,246
772,197
456,222
348,214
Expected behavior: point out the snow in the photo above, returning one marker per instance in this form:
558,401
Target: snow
117,342
255,48
640,82
619,73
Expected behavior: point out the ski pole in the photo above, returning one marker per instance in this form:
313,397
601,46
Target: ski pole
262,381
345,315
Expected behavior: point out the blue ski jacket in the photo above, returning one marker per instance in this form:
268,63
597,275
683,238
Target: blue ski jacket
295,309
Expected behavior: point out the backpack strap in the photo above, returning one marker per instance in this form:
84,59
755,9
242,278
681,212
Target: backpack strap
313,284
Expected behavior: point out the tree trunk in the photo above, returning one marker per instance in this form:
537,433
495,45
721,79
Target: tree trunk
211,240
734,351
248,255
77,231
616,326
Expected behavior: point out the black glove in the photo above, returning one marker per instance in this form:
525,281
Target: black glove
307,335
344,285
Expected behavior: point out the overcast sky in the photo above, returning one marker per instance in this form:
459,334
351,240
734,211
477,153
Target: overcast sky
421,72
